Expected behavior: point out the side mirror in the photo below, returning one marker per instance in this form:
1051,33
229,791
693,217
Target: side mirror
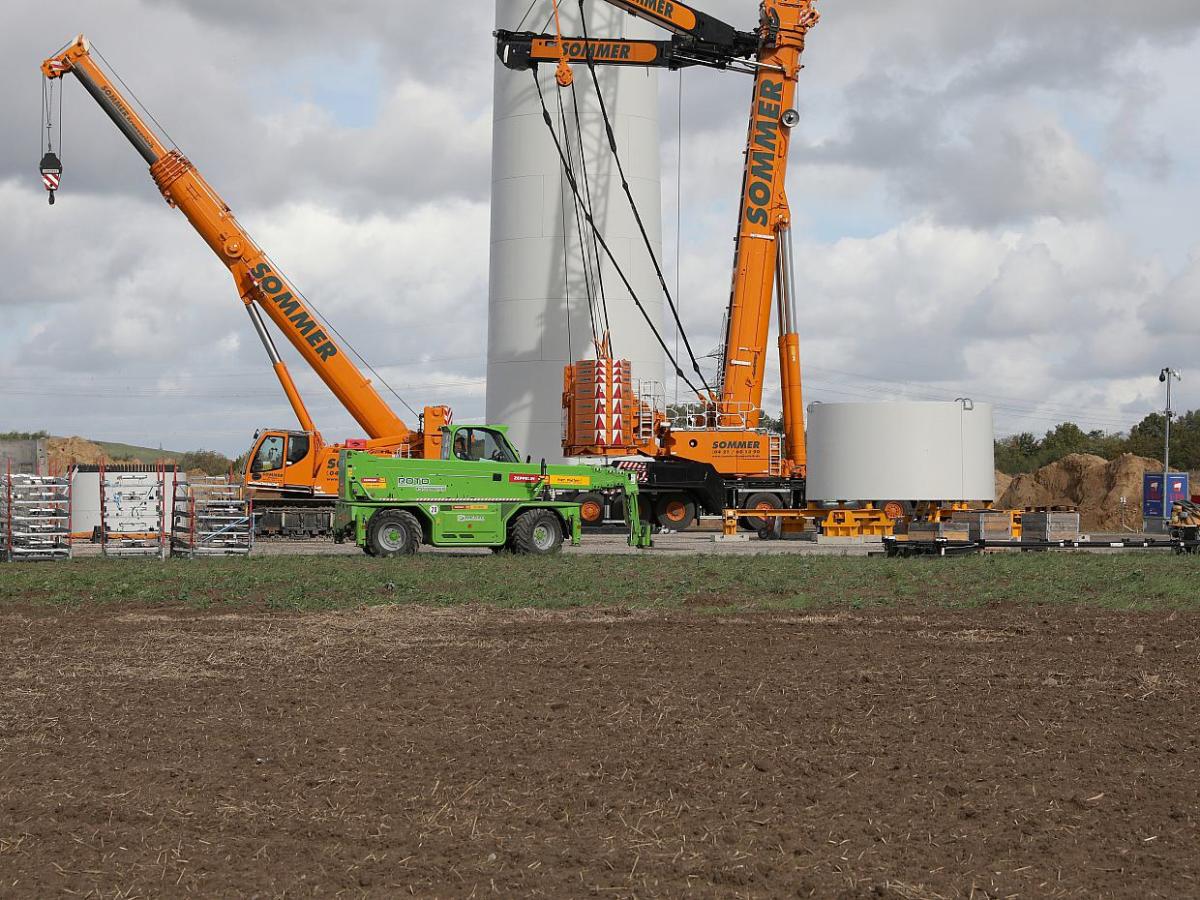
528,458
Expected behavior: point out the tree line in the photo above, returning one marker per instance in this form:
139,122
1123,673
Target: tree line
1026,452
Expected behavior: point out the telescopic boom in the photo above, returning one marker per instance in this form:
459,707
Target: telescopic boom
263,288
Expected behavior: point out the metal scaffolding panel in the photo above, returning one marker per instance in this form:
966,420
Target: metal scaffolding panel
133,513
211,518
35,517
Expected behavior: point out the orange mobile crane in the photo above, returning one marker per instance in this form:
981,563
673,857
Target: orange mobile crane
293,473
711,455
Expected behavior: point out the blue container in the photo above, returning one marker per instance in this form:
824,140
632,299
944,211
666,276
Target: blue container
1178,491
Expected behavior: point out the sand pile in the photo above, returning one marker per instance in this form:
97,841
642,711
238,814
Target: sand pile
77,451
1091,483
1002,483
73,451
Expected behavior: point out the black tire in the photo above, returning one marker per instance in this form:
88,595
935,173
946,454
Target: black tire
675,511
591,510
762,501
393,532
537,532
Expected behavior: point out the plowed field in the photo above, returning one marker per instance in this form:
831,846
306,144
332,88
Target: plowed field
472,752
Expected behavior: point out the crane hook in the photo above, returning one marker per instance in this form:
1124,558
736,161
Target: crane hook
563,74
51,173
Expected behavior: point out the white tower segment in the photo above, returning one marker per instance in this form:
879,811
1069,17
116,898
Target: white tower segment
536,261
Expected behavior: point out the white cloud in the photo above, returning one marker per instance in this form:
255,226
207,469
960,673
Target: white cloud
992,201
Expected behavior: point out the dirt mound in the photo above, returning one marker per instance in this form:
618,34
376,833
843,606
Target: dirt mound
1092,483
74,451
1002,483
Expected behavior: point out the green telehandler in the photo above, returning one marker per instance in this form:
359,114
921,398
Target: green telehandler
479,494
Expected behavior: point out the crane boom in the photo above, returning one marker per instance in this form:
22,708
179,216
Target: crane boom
763,256
262,287
764,232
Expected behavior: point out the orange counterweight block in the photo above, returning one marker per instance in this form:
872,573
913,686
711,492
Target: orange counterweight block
600,408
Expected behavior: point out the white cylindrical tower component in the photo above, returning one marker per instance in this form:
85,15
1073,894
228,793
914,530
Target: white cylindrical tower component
539,316
901,451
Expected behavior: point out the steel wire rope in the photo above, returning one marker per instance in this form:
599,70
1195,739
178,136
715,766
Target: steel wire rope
604,244
46,109
637,214
588,262
324,319
587,191
129,90
521,24
265,256
678,209
566,254
362,359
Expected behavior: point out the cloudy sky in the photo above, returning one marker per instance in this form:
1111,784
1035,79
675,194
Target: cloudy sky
992,200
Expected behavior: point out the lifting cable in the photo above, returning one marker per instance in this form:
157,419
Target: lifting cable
593,267
266,256
612,142
121,80
370,368
587,190
48,106
599,324
603,243
567,282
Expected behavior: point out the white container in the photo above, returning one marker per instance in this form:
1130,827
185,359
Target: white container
901,451
532,205
133,497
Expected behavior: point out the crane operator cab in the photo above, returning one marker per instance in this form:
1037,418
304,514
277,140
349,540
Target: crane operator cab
478,444
278,454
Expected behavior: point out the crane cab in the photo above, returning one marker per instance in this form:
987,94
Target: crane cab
284,461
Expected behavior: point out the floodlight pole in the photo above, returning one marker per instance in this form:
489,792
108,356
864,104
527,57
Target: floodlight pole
1166,376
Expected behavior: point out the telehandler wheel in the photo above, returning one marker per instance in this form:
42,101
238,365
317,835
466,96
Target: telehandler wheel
765,502
393,532
537,532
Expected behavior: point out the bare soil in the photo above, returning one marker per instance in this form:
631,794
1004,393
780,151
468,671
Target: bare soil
468,753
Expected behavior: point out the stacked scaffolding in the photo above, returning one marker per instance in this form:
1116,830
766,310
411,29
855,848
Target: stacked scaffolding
211,517
133,513
35,517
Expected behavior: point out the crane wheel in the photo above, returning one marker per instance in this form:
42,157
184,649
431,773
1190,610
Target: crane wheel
393,532
537,532
764,502
591,509
675,511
